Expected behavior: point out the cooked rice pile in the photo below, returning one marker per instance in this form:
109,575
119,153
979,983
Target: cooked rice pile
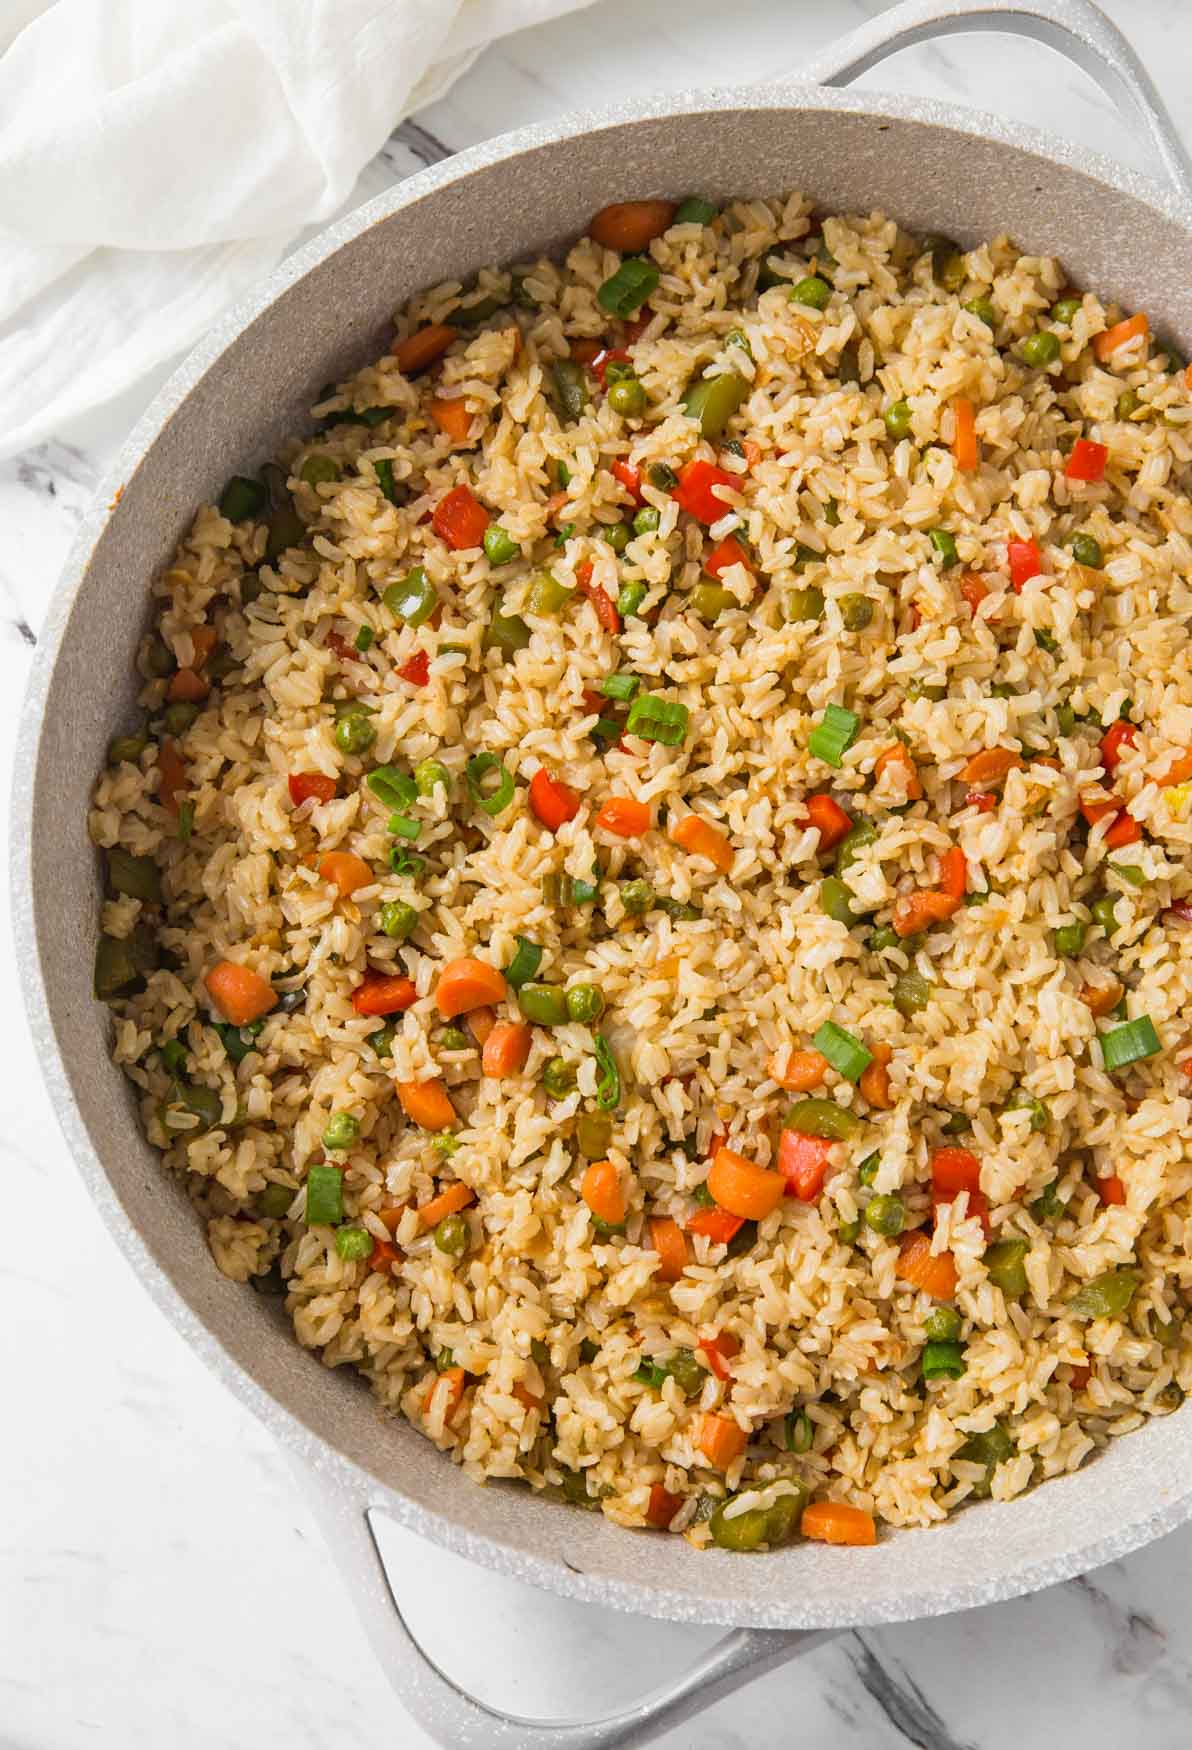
550,1317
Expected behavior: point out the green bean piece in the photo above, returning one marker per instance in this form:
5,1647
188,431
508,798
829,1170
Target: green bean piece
862,832
912,992
559,1078
710,600
569,384
412,598
983,309
713,401
507,632
836,901
585,1003
628,398
452,1235
898,419
943,1361
545,1004
1004,1262
695,211
136,877
319,470
942,1324
547,595
637,897
856,611
803,604
820,1117
242,498
1040,349
885,1214
756,1526
398,919
625,291
127,749
1021,1100
945,546
499,546
679,909
121,962
453,1039
1102,909
1087,551
202,1103
1107,1296
342,1131
177,718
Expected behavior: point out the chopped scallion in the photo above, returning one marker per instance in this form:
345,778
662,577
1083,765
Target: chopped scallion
1129,1043
846,1054
834,735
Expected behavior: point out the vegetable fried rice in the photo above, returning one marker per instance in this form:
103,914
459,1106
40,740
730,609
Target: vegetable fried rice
651,898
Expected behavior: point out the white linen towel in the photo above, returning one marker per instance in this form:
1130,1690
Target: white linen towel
158,156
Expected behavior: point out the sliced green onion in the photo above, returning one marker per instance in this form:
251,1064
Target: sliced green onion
620,686
843,1052
943,1360
1130,1043
402,863
353,1243
834,735
476,771
395,789
527,958
402,827
625,291
658,719
186,819
608,1087
324,1196
384,473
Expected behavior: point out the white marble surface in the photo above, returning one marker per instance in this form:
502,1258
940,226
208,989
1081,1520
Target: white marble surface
161,1584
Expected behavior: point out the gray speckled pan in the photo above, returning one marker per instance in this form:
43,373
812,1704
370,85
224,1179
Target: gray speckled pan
249,385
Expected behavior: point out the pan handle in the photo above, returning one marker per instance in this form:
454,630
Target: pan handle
1075,28
453,1718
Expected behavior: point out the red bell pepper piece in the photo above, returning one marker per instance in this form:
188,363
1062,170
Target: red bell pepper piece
663,1506
803,1162
1119,735
609,355
303,785
716,1224
719,1351
416,670
629,478
1087,460
727,552
1124,831
460,519
553,802
1110,1189
694,492
982,800
1024,561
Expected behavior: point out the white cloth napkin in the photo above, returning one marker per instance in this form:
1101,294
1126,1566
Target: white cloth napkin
158,156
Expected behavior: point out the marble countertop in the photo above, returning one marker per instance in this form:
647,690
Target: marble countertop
153,1551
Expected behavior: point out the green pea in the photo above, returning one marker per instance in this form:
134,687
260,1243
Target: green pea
570,388
1022,1101
1064,309
545,1004
898,419
983,309
585,1002
354,733
803,604
630,597
877,941
127,749
912,992
429,774
452,1235
547,595
1102,909
398,919
274,1201
885,1214
646,520
713,401
499,546
836,901
1107,1296
593,1134
628,398
1128,403
177,718
1040,349
710,600
453,1039
849,1231
136,877
1087,551
319,470
856,611
558,1078
618,536
945,545
353,1243
242,498
637,897
812,291
942,1324
342,1131
412,598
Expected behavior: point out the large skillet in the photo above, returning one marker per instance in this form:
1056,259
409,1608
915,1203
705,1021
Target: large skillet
249,385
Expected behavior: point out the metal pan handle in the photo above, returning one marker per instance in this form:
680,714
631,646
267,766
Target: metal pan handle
452,1717
1077,29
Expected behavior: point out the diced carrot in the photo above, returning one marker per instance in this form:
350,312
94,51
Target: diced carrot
954,1170
1086,460
203,639
468,984
628,476
602,602
718,1350
934,1273
899,755
553,802
240,994
345,870
1124,831
953,873
1101,999
716,1225
631,226
837,1522
480,1024
703,839
965,449
830,818
188,686
742,1187
875,1078
982,800
662,1507
1122,332
803,1162
916,912
391,1215
695,491
668,1240
172,776
721,1440
974,589
304,785
1096,808
725,553
1024,561
427,1104
601,1190
625,817
753,452
1080,1378
585,351
1110,1189
383,1254
506,1049
526,1398
447,1202
1180,772
450,1385
423,347
417,670
989,765
384,993
460,519
1119,735
797,1070
452,415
